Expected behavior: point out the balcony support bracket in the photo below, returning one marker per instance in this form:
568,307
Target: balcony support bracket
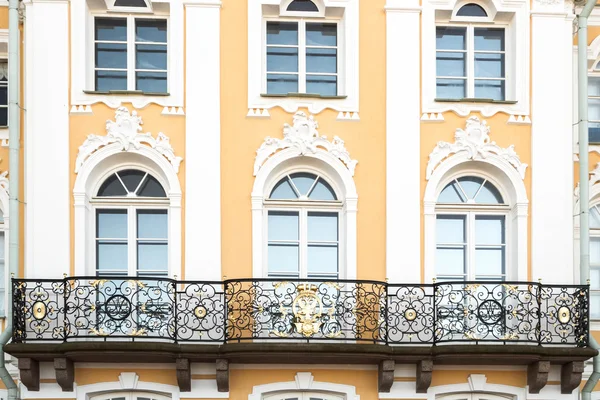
537,376
424,372
184,374
386,375
65,373
223,375
570,376
29,371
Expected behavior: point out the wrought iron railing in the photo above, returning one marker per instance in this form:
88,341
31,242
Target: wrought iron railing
132,308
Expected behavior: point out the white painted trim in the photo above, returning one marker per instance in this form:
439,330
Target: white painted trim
304,381
82,58
503,174
403,131
517,70
344,367
348,52
203,144
106,160
319,161
47,391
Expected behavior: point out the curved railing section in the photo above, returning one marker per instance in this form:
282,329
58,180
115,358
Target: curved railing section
134,308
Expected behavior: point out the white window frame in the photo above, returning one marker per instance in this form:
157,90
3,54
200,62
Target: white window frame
129,396
470,56
82,57
345,14
131,47
303,208
471,212
303,396
514,17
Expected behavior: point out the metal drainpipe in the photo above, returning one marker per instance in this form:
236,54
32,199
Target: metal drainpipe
584,195
14,117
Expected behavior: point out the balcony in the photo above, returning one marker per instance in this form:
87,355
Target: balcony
128,319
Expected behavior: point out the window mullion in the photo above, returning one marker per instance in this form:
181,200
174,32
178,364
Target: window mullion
471,273
303,214
302,56
130,53
132,241
470,62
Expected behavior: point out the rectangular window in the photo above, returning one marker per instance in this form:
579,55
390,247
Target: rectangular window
130,54
594,109
3,93
302,57
470,63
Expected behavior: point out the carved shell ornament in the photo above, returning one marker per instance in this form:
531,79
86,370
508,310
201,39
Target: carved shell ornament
304,137
126,130
475,141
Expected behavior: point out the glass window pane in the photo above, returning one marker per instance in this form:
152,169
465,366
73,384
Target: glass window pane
595,251
322,259
451,88
153,256
151,56
3,116
129,3
470,185
151,82
452,194
489,229
322,227
3,95
594,86
111,224
321,34
282,59
595,277
283,225
489,261
131,178
321,60
594,218
151,188
111,256
489,39
450,229
111,55
112,187
303,182
325,85
489,194
450,64
282,84
302,5
283,191
594,132
449,38
471,10
322,191
489,89
282,33
111,29
152,224
283,259
151,30
594,109
111,80
489,65
595,305
449,261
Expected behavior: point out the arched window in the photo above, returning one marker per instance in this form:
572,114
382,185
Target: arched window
471,10
131,209
303,6
130,396
470,231
303,227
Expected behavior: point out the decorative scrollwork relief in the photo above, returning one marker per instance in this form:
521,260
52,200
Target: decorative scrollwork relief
126,130
475,142
304,137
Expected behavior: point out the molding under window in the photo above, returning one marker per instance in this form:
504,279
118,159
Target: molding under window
348,52
514,16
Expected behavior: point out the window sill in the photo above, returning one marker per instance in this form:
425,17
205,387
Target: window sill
303,95
475,100
126,92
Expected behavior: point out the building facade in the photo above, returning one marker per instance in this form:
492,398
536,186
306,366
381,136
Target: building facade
300,200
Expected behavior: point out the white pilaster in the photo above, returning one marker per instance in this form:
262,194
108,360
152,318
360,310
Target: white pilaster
552,156
403,202
47,171
203,141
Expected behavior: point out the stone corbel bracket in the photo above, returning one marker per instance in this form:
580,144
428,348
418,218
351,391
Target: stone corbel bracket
570,376
424,375
184,374
222,376
537,376
386,375
29,371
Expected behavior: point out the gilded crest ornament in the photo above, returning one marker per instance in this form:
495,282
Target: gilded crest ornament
307,309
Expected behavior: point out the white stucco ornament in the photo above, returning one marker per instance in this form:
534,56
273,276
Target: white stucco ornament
304,137
475,143
126,131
